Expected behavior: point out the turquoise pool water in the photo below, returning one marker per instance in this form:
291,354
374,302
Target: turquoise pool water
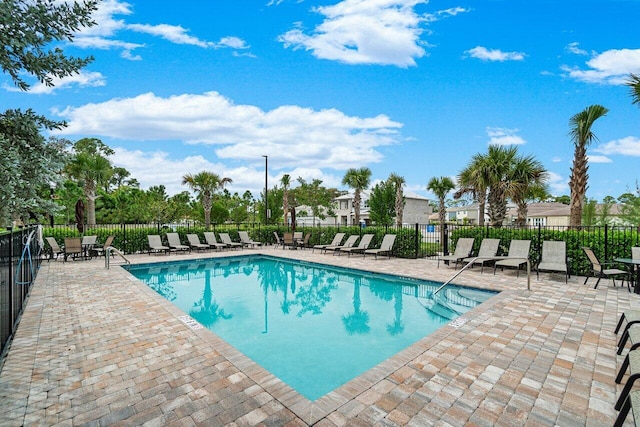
313,326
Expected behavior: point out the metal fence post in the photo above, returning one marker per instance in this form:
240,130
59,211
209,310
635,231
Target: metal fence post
445,235
606,242
417,233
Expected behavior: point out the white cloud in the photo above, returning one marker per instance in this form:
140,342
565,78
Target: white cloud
558,185
504,136
573,48
610,67
629,146
290,135
556,159
173,33
480,52
82,79
383,32
598,159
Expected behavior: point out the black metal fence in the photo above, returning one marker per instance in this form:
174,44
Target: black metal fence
19,264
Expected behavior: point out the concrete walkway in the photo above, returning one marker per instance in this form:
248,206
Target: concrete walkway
97,347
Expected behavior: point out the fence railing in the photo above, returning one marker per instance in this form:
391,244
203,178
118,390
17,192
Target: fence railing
19,264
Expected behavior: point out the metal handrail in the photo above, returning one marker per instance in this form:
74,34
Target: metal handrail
107,256
473,260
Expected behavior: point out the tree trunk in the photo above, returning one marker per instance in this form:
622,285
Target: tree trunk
356,206
497,207
482,203
207,204
578,185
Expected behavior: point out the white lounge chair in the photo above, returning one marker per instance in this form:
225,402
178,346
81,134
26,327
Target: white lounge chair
488,248
194,242
519,250
226,239
553,258
155,244
464,246
362,246
246,240
210,238
350,242
386,246
335,242
174,243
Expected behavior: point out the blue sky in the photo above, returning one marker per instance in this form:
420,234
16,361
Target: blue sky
406,86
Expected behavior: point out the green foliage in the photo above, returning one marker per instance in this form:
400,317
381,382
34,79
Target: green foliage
318,198
29,165
29,29
382,203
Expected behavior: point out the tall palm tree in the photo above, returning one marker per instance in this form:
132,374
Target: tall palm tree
634,84
358,179
398,182
499,166
581,136
440,187
92,170
473,180
205,184
528,177
285,181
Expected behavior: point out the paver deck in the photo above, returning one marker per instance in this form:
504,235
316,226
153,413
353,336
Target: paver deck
97,347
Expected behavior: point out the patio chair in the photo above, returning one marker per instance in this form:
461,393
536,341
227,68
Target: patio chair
226,239
488,248
385,247
72,247
99,251
631,402
288,240
350,242
600,270
362,246
155,244
464,246
54,249
246,240
304,243
335,242
88,243
553,258
194,242
631,361
635,252
518,249
175,244
210,238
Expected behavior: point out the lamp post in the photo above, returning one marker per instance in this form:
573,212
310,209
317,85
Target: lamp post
266,199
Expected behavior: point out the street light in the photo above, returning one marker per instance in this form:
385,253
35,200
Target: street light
266,199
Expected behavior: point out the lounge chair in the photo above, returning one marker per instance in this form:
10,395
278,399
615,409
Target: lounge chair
246,240
175,244
464,246
54,249
518,249
226,239
335,242
72,247
488,248
362,246
155,244
210,238
553,258
101,250
600,270
631,402
194,242
385,247
350,242
278,242
635,252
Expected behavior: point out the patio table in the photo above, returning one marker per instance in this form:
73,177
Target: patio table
635,265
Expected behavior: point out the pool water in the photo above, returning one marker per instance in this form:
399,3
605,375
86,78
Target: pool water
313,326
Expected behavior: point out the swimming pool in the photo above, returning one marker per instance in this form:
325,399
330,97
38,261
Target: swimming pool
313,326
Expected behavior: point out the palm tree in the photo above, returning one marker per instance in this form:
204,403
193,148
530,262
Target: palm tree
358,179
398,182
499,166
205,184
92,170
285,181
634,84
473,180
528,177
440,187
582,136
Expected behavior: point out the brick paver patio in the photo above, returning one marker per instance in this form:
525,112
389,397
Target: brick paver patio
97,347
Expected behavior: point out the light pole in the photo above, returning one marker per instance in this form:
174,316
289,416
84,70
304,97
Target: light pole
266,199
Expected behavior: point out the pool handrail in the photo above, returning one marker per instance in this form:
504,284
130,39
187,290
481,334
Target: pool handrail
107,256
486,258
